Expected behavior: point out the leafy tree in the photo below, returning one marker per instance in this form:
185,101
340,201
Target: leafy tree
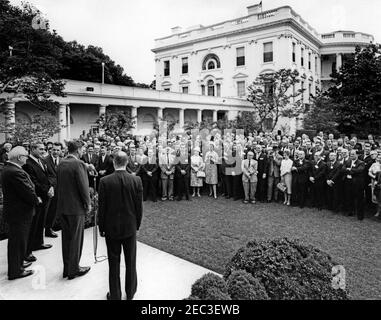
117,123
357,91
322,115
43,126
248,121
271,97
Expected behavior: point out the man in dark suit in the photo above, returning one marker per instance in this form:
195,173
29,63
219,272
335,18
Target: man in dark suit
367,158
73,202
36,167
261,158
104,166
133,165
334,182
318,170
20,201
91,158
149,174
52,162
300,175
354,180
120,215
182,174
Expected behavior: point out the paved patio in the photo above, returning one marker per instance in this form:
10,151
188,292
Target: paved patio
161,276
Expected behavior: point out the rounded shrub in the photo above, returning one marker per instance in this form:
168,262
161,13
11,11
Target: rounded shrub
201,288
243,286
288,270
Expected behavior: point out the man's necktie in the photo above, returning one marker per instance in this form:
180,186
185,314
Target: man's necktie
56,161
42,166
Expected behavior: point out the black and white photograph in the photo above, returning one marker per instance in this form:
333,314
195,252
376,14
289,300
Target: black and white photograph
190,151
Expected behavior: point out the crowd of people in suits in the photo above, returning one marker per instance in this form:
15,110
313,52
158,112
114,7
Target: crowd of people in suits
341,174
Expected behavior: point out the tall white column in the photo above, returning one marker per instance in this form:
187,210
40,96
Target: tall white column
214,115
10,118
181,118
68,132
339,61
199,115
102,109
62,122
134,116
232,114
159,114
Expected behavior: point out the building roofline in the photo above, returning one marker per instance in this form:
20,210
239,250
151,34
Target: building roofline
287,21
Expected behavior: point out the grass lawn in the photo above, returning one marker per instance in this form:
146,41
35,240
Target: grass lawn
208,232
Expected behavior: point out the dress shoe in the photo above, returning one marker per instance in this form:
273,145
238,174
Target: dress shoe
23,274
30,258
81,272
26,264
43,247
50,234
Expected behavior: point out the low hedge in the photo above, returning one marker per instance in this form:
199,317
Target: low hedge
280,269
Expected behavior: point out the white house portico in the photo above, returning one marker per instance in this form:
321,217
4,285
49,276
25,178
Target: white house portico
86,101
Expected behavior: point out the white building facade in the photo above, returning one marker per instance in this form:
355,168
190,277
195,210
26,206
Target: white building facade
225,58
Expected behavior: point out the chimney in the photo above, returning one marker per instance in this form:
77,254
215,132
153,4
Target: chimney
256,8
176,29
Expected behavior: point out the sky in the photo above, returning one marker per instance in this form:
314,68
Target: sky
126,29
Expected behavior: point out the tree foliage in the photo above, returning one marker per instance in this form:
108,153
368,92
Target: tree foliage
322,115
357,91
271,95
117,123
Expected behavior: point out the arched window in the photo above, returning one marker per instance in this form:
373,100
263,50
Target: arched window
210,88
211,61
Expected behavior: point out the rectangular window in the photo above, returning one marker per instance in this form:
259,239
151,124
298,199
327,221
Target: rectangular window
293,92
316,62
240,56
203,90
184,68
293,52
309,60
302,91
241,90
269,90
166,89
166,68
218,90
185,89
268,52
309,91
302,57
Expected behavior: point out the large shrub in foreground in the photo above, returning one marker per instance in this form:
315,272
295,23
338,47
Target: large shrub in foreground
280,269
287,269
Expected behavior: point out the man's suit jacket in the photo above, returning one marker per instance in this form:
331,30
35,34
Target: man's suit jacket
52,170
356,172
39,177
334,171
73,194
20,198
183,163
165,166
318,171
245,170
105,165
301,174
120,205
152,167
94,159
133,165
262,163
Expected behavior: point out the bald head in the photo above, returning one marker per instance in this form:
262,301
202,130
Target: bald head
120,160
18,155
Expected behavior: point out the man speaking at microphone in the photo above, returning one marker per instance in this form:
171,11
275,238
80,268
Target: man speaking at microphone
120,216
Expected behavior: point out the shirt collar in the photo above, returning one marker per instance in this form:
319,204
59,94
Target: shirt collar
35,159
15,164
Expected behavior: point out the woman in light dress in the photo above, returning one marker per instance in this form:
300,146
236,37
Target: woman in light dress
286,175
197,165
211,159
374,172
